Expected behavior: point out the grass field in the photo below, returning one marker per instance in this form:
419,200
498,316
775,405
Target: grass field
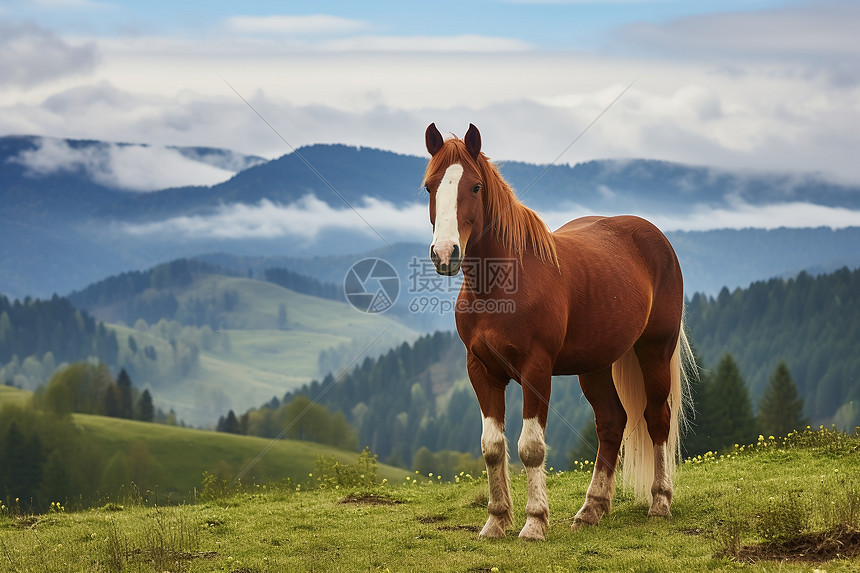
723,507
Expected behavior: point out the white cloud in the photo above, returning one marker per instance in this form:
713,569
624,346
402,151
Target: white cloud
800,31
739,215
306,219
310,24
31,55
303,220
130,167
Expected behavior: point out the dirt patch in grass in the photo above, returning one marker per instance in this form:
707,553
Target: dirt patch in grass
370,499
842,541
431,518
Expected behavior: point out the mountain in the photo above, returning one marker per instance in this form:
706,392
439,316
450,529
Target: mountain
73,212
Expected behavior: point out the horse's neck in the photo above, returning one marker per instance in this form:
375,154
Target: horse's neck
488,264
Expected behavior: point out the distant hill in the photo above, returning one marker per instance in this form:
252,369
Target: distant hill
224,341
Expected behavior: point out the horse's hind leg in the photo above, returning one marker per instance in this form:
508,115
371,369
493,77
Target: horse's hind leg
654,360
491,399
610,419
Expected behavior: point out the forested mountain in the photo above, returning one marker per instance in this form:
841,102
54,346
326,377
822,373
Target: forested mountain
149,295
811,323
418,396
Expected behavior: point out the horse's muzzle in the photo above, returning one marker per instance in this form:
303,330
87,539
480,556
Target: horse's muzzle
449,268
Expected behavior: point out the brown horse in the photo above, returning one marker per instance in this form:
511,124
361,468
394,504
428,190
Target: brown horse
601,297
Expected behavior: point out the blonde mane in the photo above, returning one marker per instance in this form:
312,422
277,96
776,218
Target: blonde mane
515,225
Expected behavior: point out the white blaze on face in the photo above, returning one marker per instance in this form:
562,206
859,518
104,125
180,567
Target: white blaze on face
446,233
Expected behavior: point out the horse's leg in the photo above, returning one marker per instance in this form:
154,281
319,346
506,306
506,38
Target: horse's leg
654,360
532,451
610,419
491,398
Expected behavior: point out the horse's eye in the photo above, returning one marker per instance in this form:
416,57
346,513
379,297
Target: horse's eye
476,188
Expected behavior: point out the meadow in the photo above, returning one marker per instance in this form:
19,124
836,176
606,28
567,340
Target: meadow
781,504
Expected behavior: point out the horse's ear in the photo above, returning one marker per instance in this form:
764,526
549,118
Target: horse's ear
433,139
473,141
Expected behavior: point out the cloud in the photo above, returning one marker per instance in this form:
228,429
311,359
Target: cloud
813,28
815,40
306,219
31,55
129,167
310,24
303,220
739,215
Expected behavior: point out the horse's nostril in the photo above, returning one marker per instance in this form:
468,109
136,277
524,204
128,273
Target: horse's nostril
455,255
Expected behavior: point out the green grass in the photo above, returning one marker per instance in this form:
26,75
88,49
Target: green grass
183,454
433,526
12,395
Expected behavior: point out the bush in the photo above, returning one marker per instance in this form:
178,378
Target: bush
330,473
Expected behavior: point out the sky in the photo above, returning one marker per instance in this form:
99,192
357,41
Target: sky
753,85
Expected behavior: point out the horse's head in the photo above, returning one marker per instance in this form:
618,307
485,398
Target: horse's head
453,181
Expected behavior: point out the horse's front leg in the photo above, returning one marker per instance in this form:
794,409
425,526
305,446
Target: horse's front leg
491,398
532,451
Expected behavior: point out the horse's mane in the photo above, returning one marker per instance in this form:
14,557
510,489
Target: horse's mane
515,225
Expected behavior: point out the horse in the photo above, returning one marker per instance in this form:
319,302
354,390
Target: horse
600,297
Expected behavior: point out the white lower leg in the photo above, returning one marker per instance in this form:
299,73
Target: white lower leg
495,450
661,490
532,450
598,498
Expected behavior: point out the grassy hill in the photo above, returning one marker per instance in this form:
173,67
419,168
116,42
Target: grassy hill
786,505
174,458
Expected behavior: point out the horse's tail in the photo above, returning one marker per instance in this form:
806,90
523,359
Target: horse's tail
637,456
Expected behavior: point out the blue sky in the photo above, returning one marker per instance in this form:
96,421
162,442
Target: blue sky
766,85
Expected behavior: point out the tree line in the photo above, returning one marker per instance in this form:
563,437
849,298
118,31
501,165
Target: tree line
810,323
303,283
52,332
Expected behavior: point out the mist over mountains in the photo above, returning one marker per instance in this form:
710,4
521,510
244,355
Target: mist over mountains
74,212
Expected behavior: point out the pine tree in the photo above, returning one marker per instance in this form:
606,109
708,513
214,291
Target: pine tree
22,462
780,410
734,422
724,411
231,424
123,381
145,411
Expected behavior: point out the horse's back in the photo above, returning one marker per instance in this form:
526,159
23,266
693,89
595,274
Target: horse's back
647,243
636,259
